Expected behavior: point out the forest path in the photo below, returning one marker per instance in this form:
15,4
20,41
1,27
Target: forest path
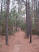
17,43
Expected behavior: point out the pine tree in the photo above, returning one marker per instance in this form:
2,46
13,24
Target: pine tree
7,15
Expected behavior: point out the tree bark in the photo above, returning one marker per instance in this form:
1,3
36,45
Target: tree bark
28,20
1,19
7,15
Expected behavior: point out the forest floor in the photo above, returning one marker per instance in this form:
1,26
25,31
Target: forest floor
17,43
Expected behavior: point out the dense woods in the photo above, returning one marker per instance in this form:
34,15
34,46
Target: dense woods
15,14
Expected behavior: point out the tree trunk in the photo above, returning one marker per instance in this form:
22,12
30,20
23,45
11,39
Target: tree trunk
28,20
7,15
1,19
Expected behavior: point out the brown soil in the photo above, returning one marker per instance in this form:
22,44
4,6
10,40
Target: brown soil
17,43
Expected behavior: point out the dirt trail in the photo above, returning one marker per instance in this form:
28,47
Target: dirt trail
17,43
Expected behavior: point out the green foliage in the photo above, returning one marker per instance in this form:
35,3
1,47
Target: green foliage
34,31
11,21
22,25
